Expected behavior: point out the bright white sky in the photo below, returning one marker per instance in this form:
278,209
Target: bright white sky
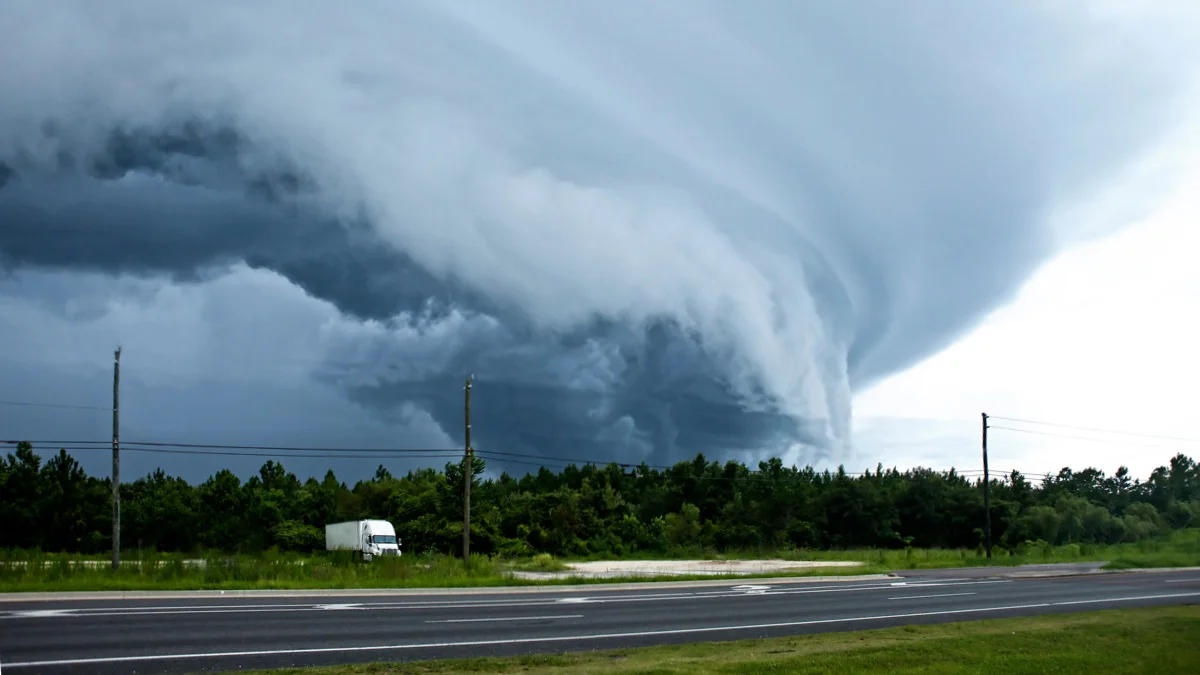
1107,336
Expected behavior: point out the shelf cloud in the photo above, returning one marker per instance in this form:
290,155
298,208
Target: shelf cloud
648,229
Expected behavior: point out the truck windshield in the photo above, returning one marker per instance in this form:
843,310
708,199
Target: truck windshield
383,539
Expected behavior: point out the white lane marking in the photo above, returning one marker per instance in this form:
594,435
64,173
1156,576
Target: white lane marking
37,613
231,610
1065,603
251,609
936,595
751,590
431,604
1179,581
649,597
510,618
573,601
571,638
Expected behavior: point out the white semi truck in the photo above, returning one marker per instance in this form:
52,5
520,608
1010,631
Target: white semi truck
371,537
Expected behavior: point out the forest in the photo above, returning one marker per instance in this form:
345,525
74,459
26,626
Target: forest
592,511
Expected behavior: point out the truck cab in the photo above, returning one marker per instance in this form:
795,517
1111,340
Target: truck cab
379,538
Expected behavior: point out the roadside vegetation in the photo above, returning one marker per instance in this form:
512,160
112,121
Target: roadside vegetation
1179,548
1182,549
1160,640
693,509
268,531
31,571
22,571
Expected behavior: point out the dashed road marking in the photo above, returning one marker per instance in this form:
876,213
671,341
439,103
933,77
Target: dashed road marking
510,618
936,595
551,639
42,613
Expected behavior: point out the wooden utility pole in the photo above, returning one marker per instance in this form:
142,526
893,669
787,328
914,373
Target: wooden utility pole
116,471
467,457
987,507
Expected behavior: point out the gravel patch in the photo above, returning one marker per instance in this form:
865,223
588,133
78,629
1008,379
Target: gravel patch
608,569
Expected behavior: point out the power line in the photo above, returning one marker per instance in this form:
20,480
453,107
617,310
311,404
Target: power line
373,456
503,456
556,466
279,448
1084,438
753,477
227,453
551,463
570,460
1092,429
659,467
249,451
26,404
31,442
218,446
337,451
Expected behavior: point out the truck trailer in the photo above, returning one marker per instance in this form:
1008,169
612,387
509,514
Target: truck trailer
371,537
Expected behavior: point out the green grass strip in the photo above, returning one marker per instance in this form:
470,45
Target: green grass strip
1160,641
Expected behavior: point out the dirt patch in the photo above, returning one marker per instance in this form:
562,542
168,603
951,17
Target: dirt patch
657,568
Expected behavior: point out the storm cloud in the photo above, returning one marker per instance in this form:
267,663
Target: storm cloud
648,229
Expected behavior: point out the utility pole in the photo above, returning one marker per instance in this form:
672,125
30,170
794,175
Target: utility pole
116,471
467,457
987,507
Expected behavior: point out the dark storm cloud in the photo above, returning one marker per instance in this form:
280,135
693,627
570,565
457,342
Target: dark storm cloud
176,201
647,228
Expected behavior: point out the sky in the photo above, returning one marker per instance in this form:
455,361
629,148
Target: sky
828,233
1096,357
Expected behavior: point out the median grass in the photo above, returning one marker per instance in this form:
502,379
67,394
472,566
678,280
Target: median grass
1160,640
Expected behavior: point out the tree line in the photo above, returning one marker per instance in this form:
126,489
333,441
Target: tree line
592,510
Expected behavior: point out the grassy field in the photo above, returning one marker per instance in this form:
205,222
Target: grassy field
31,571
27,572
1160,641
1179,549
178,571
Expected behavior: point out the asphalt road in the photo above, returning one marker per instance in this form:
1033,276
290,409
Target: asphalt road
211,634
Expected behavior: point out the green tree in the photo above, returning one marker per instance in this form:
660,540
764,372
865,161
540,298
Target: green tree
592,510
683,529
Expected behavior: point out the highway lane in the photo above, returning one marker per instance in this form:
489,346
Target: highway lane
218,634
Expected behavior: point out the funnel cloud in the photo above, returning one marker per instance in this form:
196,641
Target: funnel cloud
648,229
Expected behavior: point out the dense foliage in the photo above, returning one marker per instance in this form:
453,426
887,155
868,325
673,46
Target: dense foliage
583,511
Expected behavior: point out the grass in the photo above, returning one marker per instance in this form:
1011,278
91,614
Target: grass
542,562
1159,640
1181,549
1178,549
49,572
177,571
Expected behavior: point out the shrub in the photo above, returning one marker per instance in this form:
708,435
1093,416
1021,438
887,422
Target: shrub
546,563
